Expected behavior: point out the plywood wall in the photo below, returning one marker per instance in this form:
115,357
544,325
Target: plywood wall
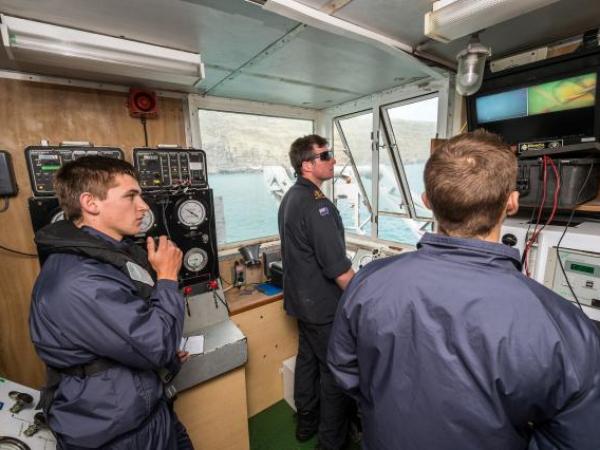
30,112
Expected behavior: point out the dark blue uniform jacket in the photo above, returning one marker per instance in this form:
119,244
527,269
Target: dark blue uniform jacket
313,251
451,347
83,309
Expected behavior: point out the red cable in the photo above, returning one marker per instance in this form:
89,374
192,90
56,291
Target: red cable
539,216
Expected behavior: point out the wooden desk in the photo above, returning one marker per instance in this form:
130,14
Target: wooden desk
239,302
272,338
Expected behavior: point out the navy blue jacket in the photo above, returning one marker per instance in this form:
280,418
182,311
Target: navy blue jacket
83,309
313,251
451,347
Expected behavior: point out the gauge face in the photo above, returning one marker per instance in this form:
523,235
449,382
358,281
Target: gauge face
191,213
58,217
147,222
195,259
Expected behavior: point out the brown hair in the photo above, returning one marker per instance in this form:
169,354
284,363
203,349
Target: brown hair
468,181
302,149
93,174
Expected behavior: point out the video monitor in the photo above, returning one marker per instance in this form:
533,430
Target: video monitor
555,100
559,95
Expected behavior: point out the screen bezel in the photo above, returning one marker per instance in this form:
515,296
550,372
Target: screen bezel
530,128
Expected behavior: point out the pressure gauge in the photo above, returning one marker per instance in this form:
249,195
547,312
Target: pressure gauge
191,213
195,259
58,217
147,222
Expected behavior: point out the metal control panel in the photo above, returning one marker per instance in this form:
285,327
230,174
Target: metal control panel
583,271
44,162
161,168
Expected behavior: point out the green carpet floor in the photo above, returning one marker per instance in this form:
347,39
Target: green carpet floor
274,429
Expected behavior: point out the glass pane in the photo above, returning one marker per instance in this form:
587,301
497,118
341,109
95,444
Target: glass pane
414,125
405,231
347,195
390,195
357,132
249,167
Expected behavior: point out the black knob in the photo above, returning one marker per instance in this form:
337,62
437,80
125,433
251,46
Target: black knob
509,239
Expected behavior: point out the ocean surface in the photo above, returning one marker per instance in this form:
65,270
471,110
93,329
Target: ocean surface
250,210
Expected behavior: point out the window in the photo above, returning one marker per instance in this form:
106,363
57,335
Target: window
249,168
404,137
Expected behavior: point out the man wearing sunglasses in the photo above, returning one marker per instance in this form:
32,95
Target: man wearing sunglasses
316,270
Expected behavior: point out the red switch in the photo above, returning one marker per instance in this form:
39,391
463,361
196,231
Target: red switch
187,290
213,284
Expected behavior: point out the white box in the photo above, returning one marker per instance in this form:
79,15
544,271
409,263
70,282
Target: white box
288,369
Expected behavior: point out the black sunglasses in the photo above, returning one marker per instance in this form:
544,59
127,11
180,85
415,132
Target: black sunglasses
327,155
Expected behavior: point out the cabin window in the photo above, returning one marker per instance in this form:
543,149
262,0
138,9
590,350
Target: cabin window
249,168
403,143
352,186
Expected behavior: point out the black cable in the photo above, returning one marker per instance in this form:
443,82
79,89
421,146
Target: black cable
143,120
5,207
164,216
17,252
562,267
222,301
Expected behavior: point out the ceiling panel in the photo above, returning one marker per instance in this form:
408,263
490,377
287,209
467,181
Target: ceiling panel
270,90
326,59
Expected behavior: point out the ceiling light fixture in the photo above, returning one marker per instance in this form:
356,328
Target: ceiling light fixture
452,19
52,45
471,64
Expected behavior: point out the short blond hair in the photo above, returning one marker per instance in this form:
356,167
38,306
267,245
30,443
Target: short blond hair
468,181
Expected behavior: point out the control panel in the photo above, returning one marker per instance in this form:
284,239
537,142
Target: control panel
583,271
161,168
44,162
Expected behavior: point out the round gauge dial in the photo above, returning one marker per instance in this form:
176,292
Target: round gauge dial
58,217
147,222
195,259
191,213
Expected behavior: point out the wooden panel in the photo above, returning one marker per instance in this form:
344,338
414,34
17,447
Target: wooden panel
214,413
272,338
30,112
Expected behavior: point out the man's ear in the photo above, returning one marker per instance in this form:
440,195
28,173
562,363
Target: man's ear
425,200
89,203
307,167
512,204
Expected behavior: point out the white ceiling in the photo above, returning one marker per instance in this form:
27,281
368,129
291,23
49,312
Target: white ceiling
241,44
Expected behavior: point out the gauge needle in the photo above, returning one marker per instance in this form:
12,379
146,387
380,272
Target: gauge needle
192,213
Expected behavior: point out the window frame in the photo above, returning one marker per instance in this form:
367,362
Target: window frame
378,104
221,104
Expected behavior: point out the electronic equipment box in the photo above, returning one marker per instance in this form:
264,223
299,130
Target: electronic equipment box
187,218
8,184
44,161
161,168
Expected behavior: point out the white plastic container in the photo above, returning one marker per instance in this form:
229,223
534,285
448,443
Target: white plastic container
288,369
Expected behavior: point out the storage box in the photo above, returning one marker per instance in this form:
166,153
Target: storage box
288,369
573,172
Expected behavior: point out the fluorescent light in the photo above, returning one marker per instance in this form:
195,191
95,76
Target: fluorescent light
36,42
452,19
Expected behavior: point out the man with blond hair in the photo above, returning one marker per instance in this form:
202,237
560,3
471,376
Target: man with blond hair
451,347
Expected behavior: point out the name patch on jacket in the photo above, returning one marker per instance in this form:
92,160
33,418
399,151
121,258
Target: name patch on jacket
138,273
324,210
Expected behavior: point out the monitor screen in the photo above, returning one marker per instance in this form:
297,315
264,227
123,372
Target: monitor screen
554,96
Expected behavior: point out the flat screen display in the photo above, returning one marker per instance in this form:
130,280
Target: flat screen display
554,96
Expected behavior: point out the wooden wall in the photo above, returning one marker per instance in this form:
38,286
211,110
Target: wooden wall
30,112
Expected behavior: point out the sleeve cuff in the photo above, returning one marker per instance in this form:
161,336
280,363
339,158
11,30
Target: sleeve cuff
167,284
337,269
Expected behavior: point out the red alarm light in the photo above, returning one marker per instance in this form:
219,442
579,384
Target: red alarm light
142,103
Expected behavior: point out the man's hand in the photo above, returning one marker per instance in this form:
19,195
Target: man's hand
343,280
183,356
166,259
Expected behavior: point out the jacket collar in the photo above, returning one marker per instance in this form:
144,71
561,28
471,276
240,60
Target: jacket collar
473,250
